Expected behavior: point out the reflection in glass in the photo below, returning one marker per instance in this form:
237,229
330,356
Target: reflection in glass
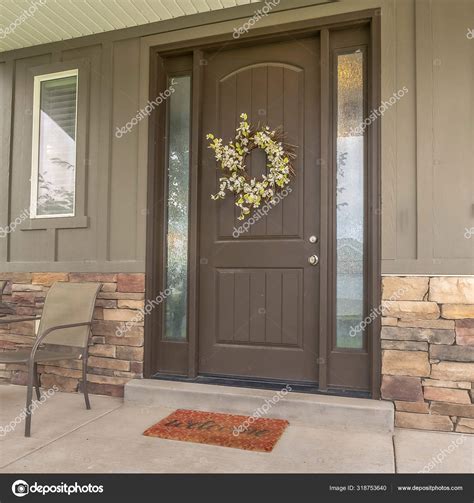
57,147
179,113
350,201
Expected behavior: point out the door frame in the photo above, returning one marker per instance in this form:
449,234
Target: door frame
155,173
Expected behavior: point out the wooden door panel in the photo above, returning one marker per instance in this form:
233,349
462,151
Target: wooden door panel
259,306
259,90
258,294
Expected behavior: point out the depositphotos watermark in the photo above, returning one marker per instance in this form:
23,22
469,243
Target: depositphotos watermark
259,14
35,404
145,112
261,212
261,411
27,13
378,112
443,454
147,309
24,215
468,233
376,312
21,488
470,33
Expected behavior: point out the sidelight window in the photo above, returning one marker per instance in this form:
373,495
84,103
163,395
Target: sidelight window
350,196
177,208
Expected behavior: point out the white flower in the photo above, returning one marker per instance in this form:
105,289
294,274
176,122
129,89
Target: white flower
232,161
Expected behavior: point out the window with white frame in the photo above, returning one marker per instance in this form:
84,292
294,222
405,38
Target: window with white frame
53,174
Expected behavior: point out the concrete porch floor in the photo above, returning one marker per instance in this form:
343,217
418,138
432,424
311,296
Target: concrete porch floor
66,438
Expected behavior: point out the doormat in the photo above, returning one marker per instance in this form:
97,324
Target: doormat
225,430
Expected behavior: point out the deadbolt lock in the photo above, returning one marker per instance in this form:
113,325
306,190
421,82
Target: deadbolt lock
313,260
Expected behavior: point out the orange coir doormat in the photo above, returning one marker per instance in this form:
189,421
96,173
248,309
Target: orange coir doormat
226,430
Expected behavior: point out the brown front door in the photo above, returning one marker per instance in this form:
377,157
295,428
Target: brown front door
259,295
246,301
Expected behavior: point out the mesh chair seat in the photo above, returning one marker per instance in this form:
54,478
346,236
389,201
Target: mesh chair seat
42,355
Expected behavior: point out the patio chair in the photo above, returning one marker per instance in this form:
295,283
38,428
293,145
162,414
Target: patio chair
63,334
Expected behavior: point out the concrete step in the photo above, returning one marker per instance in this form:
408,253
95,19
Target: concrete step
320,411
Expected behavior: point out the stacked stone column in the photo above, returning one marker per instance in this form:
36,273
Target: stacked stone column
428,351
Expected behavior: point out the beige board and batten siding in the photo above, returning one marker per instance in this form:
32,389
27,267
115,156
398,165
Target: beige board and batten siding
115,191
427,138
427,175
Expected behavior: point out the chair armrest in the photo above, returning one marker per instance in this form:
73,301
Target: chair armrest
16,320
61,327
39,338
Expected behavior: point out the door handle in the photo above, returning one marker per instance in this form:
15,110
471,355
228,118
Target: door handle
313,260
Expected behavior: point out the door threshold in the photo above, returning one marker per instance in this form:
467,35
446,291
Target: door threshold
267,384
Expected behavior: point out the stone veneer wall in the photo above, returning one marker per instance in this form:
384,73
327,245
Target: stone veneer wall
113,360
427,343
428,351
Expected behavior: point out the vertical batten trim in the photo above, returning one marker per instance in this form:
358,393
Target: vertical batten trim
6,118
142,157
424,128
105,152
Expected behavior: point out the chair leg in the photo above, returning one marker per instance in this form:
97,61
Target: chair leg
84,380
37,386
29,397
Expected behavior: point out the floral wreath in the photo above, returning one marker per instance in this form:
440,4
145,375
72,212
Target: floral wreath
250,192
